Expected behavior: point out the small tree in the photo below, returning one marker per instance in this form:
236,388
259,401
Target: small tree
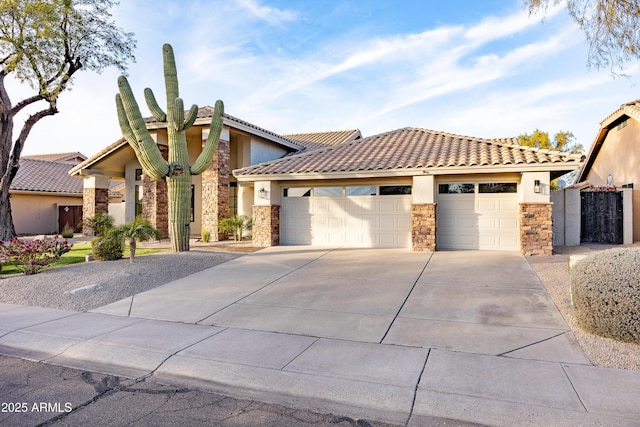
140,230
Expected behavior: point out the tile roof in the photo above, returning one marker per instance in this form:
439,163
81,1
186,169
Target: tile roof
411,148
314,140
69,157
46,176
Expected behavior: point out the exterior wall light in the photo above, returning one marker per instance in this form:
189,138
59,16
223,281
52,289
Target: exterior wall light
536,186
262,193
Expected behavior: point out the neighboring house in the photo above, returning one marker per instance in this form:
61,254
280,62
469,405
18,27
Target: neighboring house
613,159
409,188
43,195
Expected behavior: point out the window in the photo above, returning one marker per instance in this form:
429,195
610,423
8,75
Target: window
361,190
327,191
233,198
138,199
138,174
456,188
393,190
297,192
501,187
193,205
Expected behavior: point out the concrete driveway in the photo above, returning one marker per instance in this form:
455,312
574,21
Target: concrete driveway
470,301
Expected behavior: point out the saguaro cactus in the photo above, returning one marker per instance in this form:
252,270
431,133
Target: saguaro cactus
176,170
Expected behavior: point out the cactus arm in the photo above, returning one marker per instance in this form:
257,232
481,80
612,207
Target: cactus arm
157,165
215,128
191,117
131,138
155,109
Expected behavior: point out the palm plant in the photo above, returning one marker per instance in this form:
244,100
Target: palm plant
139,230
100,224
236,224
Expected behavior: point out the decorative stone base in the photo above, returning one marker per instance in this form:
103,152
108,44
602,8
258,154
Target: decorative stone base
215,191
155,204
94,201
423,227
536,234
266,225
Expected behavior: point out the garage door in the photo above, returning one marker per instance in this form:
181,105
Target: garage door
355,216
477,216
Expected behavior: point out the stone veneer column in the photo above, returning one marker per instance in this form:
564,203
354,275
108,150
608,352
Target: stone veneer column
215,191
155,199
536,234
423,227
95,199
266,225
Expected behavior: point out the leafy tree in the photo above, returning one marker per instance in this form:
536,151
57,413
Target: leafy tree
611,28
562,141
43,43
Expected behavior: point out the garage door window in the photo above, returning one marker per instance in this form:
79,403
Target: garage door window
297,192
456,188
361,190
501,187
394,190
327,191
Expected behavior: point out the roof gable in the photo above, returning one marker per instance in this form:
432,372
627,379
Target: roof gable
413,148
627,110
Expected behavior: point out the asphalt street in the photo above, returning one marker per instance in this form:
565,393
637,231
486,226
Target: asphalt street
38,394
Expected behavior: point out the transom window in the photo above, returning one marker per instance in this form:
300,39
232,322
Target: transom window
297,192
327,191
361,190
456,188
498,187
349,190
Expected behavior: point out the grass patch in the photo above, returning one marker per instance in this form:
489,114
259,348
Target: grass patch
77,255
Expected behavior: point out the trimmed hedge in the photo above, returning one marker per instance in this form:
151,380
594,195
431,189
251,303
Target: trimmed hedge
605,291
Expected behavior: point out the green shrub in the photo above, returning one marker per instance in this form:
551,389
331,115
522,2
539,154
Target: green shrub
206,236
605,291
236,225
100,224
108,247
67,231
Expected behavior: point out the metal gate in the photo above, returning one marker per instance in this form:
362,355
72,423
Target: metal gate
602,217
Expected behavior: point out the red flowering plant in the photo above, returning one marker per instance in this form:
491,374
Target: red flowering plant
592,187
31,256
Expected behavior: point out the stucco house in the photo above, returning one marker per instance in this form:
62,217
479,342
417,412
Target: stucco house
411,188
613,157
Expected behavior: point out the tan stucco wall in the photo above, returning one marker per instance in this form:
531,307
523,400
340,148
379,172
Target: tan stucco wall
619,157
38,214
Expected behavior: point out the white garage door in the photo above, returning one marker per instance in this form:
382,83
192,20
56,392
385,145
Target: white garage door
357,216
477,216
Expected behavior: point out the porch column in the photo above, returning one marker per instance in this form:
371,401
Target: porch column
215,187
266,214
95,199
423,214
155,199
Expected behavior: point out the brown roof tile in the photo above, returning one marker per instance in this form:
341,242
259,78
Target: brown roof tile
70,157
314,140
46,176
411,148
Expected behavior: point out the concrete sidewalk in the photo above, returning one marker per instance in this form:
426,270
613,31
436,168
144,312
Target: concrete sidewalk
388,335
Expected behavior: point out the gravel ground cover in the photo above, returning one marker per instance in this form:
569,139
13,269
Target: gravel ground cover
116,279
604,352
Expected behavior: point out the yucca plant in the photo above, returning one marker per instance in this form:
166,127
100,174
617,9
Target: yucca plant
236,224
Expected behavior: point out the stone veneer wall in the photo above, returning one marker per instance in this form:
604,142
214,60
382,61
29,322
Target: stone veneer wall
423,227
536,234
266,225
155,199
215,191
94,201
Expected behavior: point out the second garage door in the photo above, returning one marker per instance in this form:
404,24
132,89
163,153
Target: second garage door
356,216
477,216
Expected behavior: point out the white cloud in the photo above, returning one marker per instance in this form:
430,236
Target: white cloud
271,15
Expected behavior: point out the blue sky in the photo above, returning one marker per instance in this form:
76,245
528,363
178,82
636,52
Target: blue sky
482,69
